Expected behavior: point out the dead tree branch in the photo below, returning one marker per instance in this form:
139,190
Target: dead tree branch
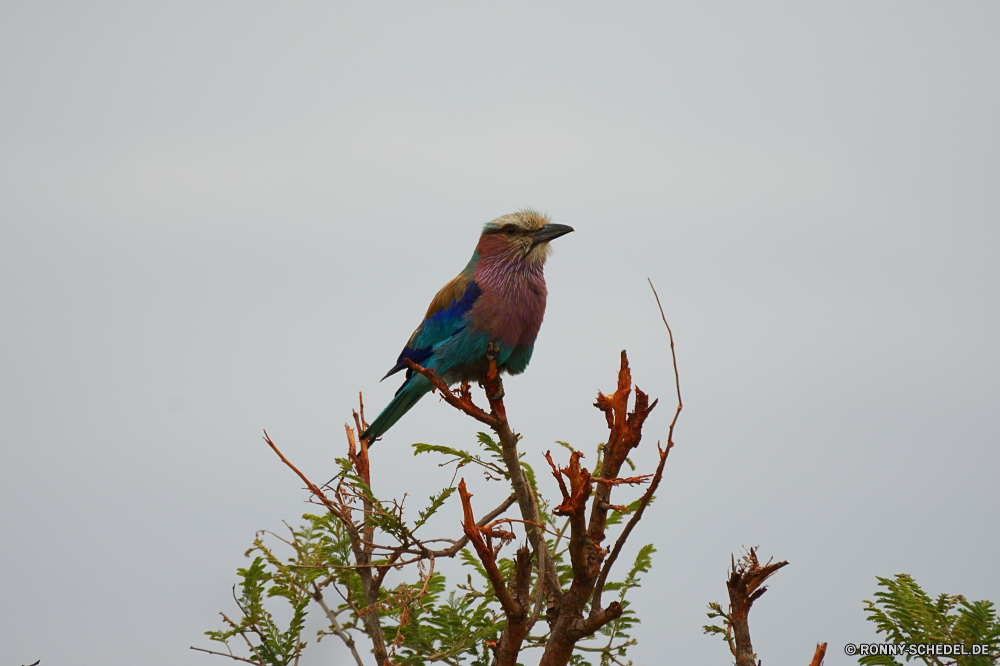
746,585
514,596
586,552
818,656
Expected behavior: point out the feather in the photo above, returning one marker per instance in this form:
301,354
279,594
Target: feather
406,397
440,323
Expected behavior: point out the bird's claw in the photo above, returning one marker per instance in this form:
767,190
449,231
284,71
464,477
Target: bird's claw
499,390
492,352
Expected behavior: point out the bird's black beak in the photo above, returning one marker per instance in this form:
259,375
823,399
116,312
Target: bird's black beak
549,232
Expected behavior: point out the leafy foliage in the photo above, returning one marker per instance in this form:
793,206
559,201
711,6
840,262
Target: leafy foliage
726,630
906,614
425,621
618,629
449,630
274,646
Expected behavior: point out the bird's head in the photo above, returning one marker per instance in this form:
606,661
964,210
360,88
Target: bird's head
523,236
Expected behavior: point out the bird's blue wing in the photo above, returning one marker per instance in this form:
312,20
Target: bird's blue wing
445,317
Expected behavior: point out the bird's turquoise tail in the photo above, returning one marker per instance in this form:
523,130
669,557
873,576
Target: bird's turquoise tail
408,395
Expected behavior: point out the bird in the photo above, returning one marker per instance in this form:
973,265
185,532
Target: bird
496,303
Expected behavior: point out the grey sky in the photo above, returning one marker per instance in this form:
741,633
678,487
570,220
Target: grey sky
222,217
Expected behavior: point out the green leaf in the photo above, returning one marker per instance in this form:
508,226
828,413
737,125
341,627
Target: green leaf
437,448
530,474
491,445
566,445
436,502
907,614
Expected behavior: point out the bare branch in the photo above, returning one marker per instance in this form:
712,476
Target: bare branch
222,654
818,656
462,401
575,499
337,629
673,355
485,520
514,597
658,475
746,585
309,484
485,552
541,553
630,480
636,517
586,553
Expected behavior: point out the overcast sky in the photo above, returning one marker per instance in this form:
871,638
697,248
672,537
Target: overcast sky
221,217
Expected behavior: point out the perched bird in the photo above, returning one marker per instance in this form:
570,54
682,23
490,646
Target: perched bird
498,297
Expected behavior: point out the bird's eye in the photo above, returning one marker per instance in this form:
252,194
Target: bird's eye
509,230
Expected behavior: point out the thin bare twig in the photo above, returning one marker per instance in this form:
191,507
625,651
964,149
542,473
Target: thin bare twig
223,654
673,356
630,480
636,517
648,495
312,487
337,629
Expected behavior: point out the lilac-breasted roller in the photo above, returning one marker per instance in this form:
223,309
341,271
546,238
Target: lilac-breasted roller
498,297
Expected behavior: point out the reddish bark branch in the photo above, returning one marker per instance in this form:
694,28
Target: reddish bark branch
460,399
657,476
818,656
359,460
565,608
485,552
331,507
625,426
585,550
636,517
451,551
625,434
630,480
746,585
514,597
575,499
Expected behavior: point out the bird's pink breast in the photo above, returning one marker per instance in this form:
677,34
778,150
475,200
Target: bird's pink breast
512,303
